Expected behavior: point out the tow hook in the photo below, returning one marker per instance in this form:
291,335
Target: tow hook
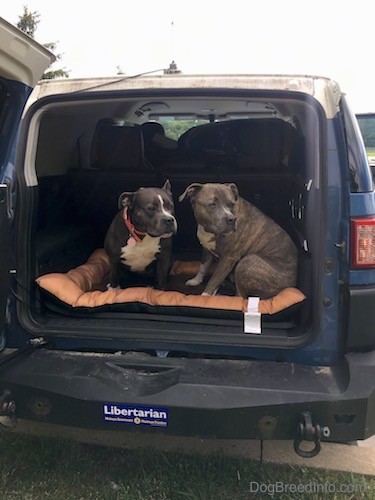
307,431
8,419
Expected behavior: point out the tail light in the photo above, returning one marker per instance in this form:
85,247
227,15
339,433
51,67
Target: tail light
362,243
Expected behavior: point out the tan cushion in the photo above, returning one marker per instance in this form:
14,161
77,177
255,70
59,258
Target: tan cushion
78,288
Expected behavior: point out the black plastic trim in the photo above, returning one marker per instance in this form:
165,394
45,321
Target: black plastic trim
361,330
232,399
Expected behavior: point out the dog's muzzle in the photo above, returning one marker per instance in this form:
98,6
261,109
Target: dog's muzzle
167,227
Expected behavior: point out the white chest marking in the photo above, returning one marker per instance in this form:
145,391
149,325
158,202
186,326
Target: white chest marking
207,240
142,254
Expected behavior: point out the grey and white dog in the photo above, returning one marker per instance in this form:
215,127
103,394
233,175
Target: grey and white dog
139,239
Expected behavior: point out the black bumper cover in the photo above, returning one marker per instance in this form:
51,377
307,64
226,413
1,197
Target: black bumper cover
229,399
361,327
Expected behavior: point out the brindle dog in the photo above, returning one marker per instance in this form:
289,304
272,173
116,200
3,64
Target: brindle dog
243,240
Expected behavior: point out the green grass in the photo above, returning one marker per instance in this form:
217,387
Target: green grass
40,468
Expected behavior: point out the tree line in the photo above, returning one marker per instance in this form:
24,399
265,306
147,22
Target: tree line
28,23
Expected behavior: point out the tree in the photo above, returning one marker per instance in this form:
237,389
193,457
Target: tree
28,23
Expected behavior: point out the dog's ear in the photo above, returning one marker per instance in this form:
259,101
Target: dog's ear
234,188
167,187
125,200
191,191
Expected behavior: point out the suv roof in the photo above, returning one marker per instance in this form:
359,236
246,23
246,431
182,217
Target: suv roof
325,90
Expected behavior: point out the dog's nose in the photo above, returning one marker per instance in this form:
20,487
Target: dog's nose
230,220
168,220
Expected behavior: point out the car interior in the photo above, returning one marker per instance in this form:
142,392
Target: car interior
87,154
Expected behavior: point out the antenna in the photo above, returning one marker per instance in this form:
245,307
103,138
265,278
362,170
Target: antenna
172,40
172,70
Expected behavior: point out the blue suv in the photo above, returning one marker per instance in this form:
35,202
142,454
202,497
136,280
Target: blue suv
75,353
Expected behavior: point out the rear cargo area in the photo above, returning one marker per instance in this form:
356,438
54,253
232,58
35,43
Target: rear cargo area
87,152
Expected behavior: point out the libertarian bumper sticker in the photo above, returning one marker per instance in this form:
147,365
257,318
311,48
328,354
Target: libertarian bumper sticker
138,415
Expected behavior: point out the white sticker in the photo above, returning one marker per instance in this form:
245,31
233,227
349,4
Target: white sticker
252,317
253,305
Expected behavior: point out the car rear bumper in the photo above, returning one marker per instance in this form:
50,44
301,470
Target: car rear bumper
228,399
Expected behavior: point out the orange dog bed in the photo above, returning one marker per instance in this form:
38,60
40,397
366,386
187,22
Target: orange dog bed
80,287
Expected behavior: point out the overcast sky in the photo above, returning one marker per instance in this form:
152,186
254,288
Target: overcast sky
324,37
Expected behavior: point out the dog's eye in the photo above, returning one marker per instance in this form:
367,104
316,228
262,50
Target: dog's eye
212,204
151,208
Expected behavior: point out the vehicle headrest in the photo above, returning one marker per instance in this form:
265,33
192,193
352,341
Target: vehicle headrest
149,129
118,147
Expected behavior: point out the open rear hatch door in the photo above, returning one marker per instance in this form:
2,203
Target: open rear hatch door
22,62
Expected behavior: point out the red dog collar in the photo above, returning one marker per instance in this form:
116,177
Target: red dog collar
132,230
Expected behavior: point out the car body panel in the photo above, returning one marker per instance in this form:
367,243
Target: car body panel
314,86
22,59
22,62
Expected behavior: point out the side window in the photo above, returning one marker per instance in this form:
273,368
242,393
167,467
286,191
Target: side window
360,174
367,125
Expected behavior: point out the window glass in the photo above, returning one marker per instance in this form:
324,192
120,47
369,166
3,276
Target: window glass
360,174
176,126
367,126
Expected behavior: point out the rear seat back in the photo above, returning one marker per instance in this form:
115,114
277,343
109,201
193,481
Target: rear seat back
262,156
258,144
119,148
117,164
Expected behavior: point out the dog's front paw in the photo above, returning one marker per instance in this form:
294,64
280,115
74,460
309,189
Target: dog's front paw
193,282
206,294
109,287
